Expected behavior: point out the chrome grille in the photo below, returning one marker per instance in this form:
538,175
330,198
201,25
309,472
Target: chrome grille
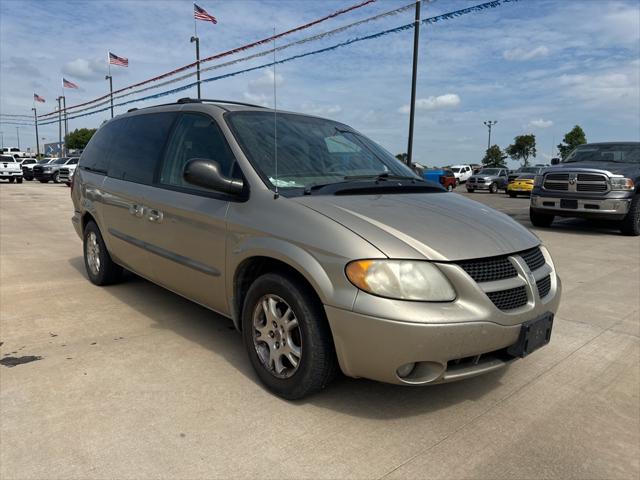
556,186
591,187
544,286
533,258
576,182
557,176
591,177
489,269
509,299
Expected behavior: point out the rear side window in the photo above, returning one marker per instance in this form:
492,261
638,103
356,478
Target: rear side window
95,156
195,136
138,147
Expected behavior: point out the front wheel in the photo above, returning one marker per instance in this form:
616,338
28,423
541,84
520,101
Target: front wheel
449,187
287,337
493,188
56,177
631,223
471,190
513,195
19,179
97,261
540,219
11,180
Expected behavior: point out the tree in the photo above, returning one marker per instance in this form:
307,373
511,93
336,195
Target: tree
79,138
402,157
571,140
494,157
523,147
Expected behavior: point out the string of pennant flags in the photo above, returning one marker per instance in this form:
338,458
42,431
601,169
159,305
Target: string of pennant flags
92,106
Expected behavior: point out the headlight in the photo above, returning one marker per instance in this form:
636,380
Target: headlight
401,280
621,183
537,182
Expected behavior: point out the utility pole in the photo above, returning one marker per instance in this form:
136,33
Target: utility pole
108,77
197,42
59,99
18,133
490,124
414,75
35,117
66,125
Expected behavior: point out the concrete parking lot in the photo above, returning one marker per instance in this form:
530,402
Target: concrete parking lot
136,382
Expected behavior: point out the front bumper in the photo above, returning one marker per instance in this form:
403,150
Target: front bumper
10,174
614,208
43,176
448,341
479,186
515,188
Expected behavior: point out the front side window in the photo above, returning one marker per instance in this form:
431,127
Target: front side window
195,136
310,151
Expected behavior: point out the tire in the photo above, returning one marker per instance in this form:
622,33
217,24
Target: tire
105,271
316,359
56,178
631,223
493,188
11,180
513,195
42,180
540,219
449,188
457,182
471,190
19,180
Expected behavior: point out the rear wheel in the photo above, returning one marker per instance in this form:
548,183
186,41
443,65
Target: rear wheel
631,223
287,337
97,261
540,219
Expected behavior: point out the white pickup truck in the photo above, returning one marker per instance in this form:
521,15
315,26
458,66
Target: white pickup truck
10,169
461,172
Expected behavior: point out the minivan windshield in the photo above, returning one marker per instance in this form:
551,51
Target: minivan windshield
310,151
614,152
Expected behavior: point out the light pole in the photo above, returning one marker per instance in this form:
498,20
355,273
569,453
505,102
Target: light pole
490,124
197,42
35,117
414,74
59,99
18,134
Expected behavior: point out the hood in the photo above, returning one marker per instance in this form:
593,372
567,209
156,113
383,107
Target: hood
616,168
436,226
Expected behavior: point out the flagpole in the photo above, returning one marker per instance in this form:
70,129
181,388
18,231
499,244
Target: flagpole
59,99
35,117
66,125
110,78
414,75
197,42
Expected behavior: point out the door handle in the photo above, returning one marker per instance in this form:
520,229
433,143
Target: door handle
136,210
155,216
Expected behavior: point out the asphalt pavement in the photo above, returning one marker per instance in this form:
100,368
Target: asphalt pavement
134,382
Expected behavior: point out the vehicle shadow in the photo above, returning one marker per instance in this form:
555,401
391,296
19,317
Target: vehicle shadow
579,226
357,397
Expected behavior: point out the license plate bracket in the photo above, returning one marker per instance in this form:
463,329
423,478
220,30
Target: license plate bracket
568,203
534,334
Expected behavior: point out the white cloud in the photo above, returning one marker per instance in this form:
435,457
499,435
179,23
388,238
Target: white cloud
448,100
320,110
260,90
540,123
84,69
521,54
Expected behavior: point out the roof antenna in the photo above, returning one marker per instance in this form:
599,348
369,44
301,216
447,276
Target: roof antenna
275,117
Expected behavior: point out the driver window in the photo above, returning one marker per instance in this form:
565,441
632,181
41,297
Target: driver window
195,136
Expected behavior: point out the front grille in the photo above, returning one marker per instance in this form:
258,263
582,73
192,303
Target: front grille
544,286
557,176
37,169
591,177
64,171
556,186
489,270
509,299
591,187
533,258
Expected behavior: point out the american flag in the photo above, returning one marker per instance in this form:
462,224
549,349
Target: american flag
116,60
38,98
200,13
67,84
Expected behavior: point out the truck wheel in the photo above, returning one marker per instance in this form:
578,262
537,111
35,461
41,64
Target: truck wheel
97,261
56,177
19,179
457,182
11,180
42,180
631,223
493,188
287,337
449,187
540,219
513,195
471,190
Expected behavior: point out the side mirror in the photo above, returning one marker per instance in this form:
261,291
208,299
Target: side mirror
555,161
206,173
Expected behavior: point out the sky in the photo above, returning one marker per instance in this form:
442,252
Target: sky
534,66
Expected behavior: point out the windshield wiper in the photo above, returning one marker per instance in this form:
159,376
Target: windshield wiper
383,176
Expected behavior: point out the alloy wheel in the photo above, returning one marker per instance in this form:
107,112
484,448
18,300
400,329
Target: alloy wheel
93,253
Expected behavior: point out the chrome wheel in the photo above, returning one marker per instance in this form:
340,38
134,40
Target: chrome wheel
93,253
276,336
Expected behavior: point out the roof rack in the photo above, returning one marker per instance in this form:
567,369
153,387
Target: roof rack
209,100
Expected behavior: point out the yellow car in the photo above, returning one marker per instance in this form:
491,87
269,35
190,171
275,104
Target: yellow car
522,185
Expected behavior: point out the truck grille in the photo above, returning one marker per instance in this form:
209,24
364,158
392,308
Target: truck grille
544,286
556,186
509,299
576,182
591,187
37,169
533,258
489,269
557,176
